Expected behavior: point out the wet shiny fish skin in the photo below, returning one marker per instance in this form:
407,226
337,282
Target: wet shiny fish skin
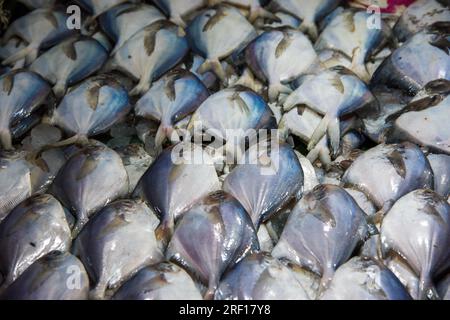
310,12
424,218
171,99
265,183
41,29
217,33
404,273
165,46
70,62
36,227
17,103
428,127
212,236
164,281
171,188
420,15
123,21
261,277
51,278
348,33
117,242
364,279
417,62
92,107
91,178
178,9
322,231
278,57
440,164
389,171
333,93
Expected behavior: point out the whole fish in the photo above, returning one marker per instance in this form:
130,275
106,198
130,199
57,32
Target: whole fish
178,10
322,231
70,62
365,279
89,180
37,226
419,15
420,60
164,281
279,56
16,104
40,29
389,171
150,52
212,236
424,218
216,33
348,32
121,22
309,12
171,99
91,107
174,183
56,276
333,93
267,181
261,277
117,242
440,164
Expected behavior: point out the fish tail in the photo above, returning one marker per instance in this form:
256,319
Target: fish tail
358,66
78,227
319,132
427,291
260,12
6,139
59,89
275,90
327,275
29,52
164,132
178,21
72,140
215,66
334,135
164,232
309,28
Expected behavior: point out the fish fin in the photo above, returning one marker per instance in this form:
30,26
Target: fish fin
162,134
309,28
72,140
325,157
396,159
260,12
30,52
427,291
275,90
334,135
164,231
59,89
358,66
141,87
78,226
69,50
247,80
319,132
214,66
218,15
6,139
283,44
178,21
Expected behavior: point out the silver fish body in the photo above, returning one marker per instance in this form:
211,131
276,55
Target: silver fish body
440,164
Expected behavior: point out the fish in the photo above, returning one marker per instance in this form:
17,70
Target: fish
90,108
183,174
212,236
363,201
36,227
16,103
12,46
164,281
149,53
332,93
217,33
322,231
90,179
269,178
121,22
40,29
178,10
117,242
363,278
403,272
424,218
172,98
70,62
309,12
420,60
387,172
279,56
440,164
56,276
348,33
261,277
444,288
419,15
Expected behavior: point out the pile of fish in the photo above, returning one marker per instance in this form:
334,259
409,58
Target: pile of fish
340,190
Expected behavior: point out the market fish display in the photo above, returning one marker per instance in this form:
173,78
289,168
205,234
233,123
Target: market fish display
211,236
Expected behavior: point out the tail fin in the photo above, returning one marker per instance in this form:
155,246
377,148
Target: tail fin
275,90
164,132
59,89
310,29
260,12
164,231
427,291
320,131
214,66
358,66
29,52
178,21
78,227
142,87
